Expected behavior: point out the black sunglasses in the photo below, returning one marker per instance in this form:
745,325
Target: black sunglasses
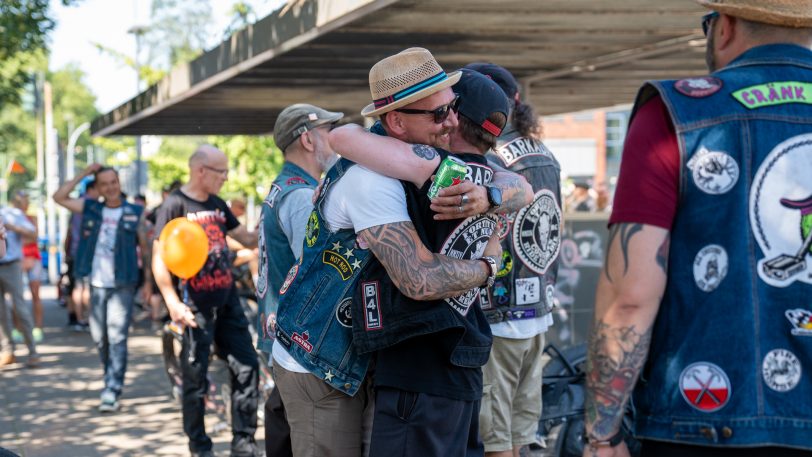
706,21
440,114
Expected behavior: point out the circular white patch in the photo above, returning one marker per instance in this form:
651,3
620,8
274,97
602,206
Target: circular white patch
289,279
783,175
705,386
262,279
537,232
781,370
714,172
344,313
710,267
468,241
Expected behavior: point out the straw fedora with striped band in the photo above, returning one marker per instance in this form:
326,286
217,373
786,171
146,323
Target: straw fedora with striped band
787,13
405,78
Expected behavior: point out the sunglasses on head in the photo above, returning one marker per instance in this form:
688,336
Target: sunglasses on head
440,114
706,21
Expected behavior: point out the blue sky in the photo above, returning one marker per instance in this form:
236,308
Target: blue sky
107,22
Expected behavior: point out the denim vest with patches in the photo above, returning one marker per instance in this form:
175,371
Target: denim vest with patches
125,253
275,255
531,237
732,345
314,320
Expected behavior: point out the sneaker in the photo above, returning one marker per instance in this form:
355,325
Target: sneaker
33,361
109,402
16,336
245,446
202,453
38,335
7,359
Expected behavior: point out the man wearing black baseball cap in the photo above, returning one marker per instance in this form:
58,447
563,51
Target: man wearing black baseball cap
430,353
518,318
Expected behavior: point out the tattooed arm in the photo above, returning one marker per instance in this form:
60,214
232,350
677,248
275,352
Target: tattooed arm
419,273
388,156
627,300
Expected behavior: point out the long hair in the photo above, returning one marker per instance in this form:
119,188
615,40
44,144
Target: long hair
526,121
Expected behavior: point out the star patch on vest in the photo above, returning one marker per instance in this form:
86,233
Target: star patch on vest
537,232
698,87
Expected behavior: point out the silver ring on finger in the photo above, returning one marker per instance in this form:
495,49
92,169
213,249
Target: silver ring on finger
459,208
464,199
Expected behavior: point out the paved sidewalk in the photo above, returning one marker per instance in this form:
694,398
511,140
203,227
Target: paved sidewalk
52,410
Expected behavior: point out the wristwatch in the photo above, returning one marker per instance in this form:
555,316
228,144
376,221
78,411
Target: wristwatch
493,268
613,441
494,196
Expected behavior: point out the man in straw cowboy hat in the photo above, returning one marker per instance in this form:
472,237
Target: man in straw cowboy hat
423,361
358,216
707,280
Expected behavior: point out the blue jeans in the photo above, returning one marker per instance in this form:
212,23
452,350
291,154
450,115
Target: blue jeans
111,309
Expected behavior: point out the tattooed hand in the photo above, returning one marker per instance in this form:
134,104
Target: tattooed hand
618,451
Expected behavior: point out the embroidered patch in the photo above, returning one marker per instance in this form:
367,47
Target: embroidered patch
528,290
520,148
781,213
273,195
468,241
337,261
294,270
372,316
295,180
710,267
506,266
502,226
698,87
500,293
283,339
781,370
714,172
705,386
537,232
262,279
485,298
801,320
344,312
775,93
312,229
479,174
270,324
549,295
301,340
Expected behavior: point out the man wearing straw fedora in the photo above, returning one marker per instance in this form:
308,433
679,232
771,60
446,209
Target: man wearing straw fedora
358,216
423,362
703,308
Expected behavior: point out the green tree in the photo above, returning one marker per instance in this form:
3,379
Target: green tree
254,161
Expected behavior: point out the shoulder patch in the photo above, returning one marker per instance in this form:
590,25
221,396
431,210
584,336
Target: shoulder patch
520,148
295,180
775,93
698,87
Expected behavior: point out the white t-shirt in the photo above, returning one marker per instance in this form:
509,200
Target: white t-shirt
359,200
523,328
104,273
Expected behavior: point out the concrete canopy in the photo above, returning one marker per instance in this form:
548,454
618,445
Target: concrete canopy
569,55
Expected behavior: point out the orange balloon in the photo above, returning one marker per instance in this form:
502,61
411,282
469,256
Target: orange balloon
184,247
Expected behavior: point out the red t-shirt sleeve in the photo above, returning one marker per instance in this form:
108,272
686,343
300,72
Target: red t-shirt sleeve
648,184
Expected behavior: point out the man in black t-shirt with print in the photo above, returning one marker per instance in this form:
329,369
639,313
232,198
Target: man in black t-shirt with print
212,310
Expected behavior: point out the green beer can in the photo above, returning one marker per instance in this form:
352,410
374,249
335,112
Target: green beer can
452,171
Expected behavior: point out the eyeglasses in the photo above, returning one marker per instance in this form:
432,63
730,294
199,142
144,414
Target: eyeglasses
706,21
440,114
219,171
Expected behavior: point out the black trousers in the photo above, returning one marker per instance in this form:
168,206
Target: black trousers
664,449
409,424
277,430
227,327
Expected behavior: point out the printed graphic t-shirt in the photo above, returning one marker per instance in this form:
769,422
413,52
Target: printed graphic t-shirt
212,284
103,272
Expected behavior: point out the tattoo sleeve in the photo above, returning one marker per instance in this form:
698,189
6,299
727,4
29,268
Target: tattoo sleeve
514,191
424,152
417,272
616,356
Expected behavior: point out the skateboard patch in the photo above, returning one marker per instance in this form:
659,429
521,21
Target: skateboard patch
781,213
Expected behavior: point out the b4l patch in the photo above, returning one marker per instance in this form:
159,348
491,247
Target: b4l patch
781,213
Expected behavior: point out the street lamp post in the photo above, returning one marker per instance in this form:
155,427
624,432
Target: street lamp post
138,31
